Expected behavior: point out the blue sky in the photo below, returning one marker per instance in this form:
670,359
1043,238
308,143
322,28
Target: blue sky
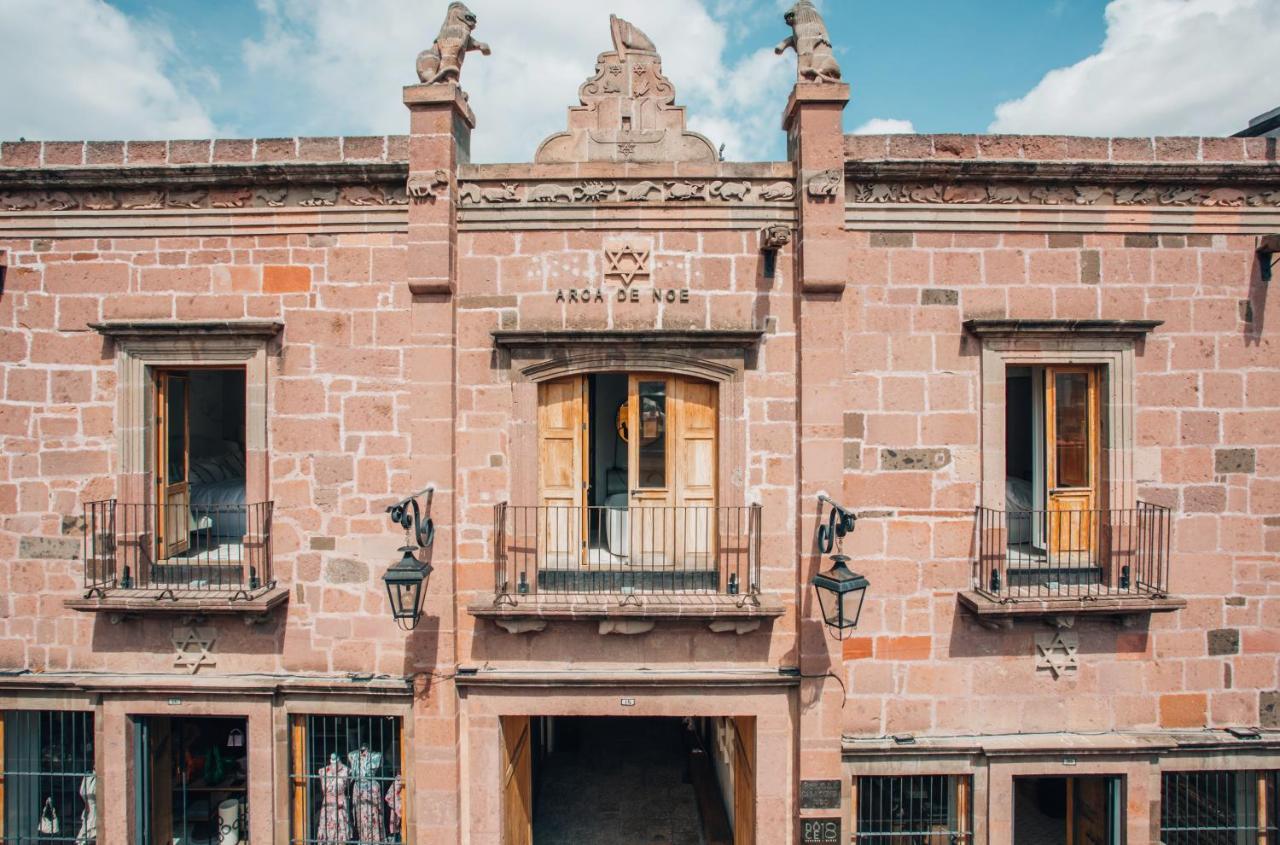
177,68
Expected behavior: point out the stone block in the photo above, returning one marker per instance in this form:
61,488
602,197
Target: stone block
939,296
346,570
914,459
1223,641
48,548
1269,709
1233,460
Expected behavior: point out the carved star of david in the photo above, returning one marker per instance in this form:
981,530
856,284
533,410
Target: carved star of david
193,647
626,262
1058,652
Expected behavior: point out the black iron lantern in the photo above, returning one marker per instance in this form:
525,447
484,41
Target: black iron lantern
407,587
840,593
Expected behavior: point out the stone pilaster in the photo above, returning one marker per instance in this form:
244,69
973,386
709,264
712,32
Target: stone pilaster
440,124
816,143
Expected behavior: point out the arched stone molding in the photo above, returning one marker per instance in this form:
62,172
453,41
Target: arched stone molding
622,360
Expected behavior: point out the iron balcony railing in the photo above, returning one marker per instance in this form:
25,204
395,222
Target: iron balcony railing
177,550
643,550
1073,553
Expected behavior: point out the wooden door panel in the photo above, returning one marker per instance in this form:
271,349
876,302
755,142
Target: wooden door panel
1089,805
651,408
561,472
744,781
1072,465
517,782
173,459
695,472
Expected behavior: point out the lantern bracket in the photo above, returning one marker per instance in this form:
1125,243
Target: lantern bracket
840,521
407,515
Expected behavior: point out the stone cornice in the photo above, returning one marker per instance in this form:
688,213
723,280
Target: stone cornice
1061,171
1060,328
163,175
166,328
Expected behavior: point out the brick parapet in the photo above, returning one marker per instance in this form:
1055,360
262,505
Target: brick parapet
1060,148
348,148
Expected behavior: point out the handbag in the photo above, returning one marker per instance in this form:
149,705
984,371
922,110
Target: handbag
48,818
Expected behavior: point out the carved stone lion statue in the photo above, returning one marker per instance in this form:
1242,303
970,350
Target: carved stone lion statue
814,59
442,61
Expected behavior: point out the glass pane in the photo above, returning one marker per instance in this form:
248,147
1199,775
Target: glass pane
1071,414
652,444
176,415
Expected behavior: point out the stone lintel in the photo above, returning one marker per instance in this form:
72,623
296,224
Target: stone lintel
719,338
164,328
804,93
1061,742
623,678
440,95
608,606
1059,328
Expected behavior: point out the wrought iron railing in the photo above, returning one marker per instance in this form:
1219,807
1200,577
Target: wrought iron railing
902,809
1073,553
627,550
177,550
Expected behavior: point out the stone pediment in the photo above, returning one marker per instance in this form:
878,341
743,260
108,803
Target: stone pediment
627,112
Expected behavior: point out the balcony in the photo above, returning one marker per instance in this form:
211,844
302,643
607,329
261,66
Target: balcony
189,559
1061,563
627,567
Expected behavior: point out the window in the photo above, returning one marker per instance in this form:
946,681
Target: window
48,784
1219,807
913,808
346,780
191,779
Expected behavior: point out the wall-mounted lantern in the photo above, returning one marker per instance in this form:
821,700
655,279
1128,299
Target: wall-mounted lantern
406,580
840,591
1268,246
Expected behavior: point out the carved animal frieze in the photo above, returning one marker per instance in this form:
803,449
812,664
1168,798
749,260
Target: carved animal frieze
273,197
362,195
231,198
730,190
442,61
143,200
1052,195
549,192
594,191
824,184
774,237
476,194
815,61
778,191
426,186
681,190
58,201
100,201
17,202
193,198
642,192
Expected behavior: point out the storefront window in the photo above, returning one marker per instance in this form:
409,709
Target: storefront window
1227,807
49,785
913,808
347,780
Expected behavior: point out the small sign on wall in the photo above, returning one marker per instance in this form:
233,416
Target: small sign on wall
819,795
824,831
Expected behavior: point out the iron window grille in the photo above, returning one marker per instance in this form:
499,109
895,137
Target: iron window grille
1219,808
347,780
913,810
48,784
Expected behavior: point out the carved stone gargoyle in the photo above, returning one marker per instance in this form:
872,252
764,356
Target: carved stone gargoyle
814,59
442,61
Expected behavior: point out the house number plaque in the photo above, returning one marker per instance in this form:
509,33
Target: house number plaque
825,831
819,794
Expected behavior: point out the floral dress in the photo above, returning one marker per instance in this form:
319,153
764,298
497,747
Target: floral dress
395,805
334,826
366,797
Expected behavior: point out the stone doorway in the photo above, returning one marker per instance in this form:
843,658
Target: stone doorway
627,781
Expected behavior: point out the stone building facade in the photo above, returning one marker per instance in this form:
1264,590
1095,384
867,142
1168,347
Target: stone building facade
629,382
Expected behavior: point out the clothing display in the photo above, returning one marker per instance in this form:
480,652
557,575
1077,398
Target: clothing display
366,797
89,815
395,805
334,825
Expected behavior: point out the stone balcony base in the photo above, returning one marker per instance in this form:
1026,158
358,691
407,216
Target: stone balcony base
1061,612
627,614
129,604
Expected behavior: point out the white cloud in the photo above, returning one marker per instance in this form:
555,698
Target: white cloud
1166,67
345,61
885,126
80,68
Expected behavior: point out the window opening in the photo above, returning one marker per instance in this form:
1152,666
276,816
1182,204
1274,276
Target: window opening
1068,810
191,780
49,785
1219,807
913,808
347,780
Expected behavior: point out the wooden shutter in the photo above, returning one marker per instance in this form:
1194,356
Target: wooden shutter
694,443
744,780
298,781
517,782
562,471
173,462
1071,450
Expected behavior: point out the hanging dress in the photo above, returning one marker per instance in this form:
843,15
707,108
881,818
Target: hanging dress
366,797
395,805
334,826
88,832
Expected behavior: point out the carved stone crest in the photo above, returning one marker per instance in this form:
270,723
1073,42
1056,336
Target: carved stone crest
193,647
1058,652
824,185
627,111
814,59
442,61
